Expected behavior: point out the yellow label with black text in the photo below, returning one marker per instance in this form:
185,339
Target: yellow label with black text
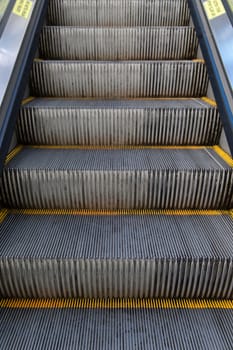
214,8
22,8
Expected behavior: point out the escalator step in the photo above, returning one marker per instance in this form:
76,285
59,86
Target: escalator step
132,178
118,328
118,122
118,12
107,255
119,79
141,43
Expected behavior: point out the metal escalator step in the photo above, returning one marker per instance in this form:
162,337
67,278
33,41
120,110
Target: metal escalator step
143,178
141,43
118,12
112,256
104,329
119,79
118,122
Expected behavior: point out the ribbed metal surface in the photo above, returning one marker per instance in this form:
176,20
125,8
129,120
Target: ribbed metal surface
122,159
117,179
141,43
113,278
133,122
119,79
116,329
118,12
117,236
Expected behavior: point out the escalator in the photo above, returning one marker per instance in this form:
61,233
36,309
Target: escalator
116,228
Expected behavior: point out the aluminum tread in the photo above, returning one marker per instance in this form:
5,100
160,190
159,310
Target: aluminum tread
135,43
156,256
117,236
124,159
119,79
85,103
116,329
118,12
159,178
118,122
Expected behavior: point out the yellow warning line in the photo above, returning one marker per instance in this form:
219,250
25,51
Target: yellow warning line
112,147
13,153
117,212
209,101
123,99
225,156
27,100
115,304
200,60
3,214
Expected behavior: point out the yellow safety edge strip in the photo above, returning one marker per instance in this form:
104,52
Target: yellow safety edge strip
209,101
27,100
115,304
116,212
112,147
200,60
131,99
224,155
13,153
3,214
88,212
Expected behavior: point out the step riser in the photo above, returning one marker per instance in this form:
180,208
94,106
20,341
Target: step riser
48,126
159,189
118,13
118,44
161,278
126,79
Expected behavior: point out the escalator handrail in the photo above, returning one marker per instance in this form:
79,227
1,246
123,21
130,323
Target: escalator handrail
215,65
13,90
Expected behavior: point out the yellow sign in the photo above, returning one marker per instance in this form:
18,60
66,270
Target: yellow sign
230,2
214,8
3,6
22,8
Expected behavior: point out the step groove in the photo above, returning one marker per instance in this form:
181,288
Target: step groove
156,256
119,79
118,13
132,122
141,43
116,329
117,179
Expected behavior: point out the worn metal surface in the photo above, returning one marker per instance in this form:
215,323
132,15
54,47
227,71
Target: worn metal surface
165,256
140,43
118,122
118,13
117,179
116,329
119,79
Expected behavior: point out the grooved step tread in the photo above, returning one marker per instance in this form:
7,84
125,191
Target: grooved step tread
119,79
112,256
117,236
118,178
44,121
118,12
118,159
189,329
85,103
138,43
